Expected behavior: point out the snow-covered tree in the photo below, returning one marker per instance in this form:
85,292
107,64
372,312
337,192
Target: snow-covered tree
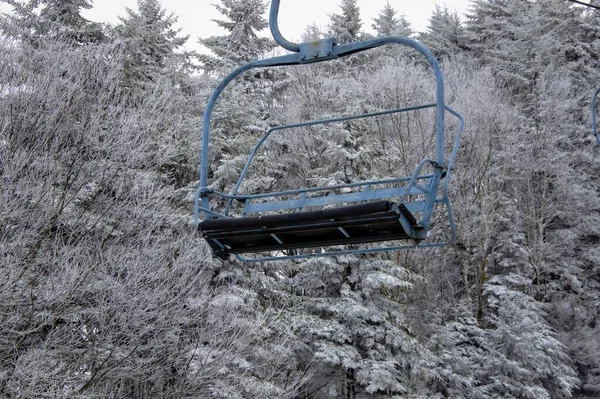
242,113
152,44
346,26
243,20
106,289
532,362
386,23
498,34
463,352
487,23
445,35
312,32
52,19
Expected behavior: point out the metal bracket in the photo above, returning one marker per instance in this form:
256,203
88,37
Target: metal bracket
205,192
317,50
444,168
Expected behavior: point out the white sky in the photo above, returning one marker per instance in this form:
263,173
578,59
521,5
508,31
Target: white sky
195,16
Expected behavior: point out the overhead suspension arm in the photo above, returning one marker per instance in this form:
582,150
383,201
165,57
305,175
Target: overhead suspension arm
274,26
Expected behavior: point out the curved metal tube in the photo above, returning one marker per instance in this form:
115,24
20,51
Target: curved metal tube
274,26
206,127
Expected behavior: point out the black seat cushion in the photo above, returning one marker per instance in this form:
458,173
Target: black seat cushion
353,224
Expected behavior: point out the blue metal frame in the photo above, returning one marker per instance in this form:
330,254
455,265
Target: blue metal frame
594,112
319,51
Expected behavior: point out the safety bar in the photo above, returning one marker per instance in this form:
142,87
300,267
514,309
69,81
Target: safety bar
313,123
243,198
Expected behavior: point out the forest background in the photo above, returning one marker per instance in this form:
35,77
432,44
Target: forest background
106,290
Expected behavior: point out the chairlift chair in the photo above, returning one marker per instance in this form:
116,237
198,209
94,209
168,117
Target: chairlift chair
370,216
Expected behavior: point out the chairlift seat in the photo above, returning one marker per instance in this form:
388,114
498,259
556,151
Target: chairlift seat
270,225
353,224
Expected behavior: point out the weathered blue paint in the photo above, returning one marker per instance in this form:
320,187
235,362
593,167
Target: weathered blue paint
320,51
274,26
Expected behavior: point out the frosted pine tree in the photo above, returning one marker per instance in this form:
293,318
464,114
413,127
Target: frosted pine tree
532,362
516,353
52,19
387,24
445,35
569,47
346,26
498,35
242,22
463,353
240,116
349,313
486,24
152,44
63,19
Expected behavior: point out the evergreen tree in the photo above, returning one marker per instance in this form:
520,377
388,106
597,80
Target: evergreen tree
486,23
350,315
531,362
151,43
245,105
542,52
568,42
386,24
528,43
515,355
445,35
463,353
63,19
241,43
53,19
345,27
105,290
312,32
